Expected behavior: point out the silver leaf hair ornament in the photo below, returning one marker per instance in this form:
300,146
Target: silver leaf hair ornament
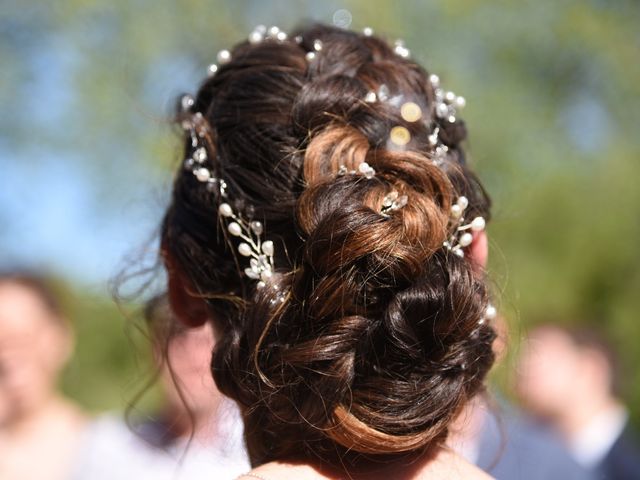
393,201
259,252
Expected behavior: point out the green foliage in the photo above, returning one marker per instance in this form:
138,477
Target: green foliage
112,361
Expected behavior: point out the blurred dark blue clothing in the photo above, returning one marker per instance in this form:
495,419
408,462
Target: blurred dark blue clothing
515,448
623,460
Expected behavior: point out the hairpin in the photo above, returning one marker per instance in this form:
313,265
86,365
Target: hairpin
461,237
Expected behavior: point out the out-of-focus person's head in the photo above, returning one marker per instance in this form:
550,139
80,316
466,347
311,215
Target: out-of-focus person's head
561,367
184,356
35,343
327,223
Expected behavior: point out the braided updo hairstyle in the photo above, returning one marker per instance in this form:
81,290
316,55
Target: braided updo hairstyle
374,338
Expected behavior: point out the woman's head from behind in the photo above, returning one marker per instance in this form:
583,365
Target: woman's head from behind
323,220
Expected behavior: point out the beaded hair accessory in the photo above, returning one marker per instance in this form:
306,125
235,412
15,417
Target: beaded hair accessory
259,251
462,236
250,232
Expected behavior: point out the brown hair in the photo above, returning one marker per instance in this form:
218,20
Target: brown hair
41,286
378,342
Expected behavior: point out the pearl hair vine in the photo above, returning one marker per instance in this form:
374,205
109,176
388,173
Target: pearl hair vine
259,252
462,237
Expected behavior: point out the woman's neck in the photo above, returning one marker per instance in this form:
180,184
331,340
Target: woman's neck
443,465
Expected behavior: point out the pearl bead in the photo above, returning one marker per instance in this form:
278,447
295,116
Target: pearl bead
200,155
212,69
460,102
463,202
367,31
267,248
255,37
224,56
244,249
234,229
256,227
490,312
434,80
281,36
265,275
402,51
459,252
310,56
202,174
371,97
273,31
478,224
187,102
317,45
442,110
466,239
450,96
456,211
251,273
225,210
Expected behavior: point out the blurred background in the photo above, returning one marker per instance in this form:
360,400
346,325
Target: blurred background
87,153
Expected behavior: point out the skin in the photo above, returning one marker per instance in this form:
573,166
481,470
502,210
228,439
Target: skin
444,464
563,383
39,428
189,355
